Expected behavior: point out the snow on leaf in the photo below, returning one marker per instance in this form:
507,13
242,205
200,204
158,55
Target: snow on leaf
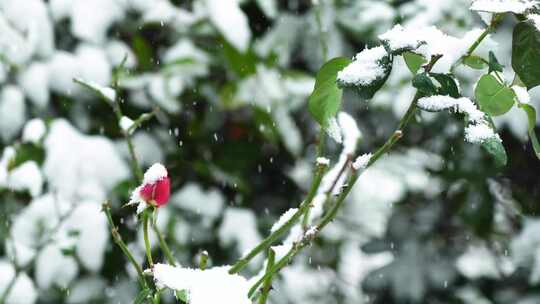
231,21
33,131
364,69
105,92
502,6
480,133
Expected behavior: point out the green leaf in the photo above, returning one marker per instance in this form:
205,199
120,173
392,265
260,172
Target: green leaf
182,295
414,61
531,118
325,100
367,92
475,62
525,53
243,64
26,152
143,296
143,52
496,149
448,84
493,63
423,83
494,97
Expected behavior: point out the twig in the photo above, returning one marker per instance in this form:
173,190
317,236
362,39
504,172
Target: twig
118,240
267,285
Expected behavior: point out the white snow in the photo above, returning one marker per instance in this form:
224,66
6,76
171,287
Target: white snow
478,261
26,176
155,173
23,291
535,18
522,94
502,6
231,21
33,131
331,176
477,134
34,81
117,51
89,62
53,268
239,226
106,92
214,285
90,20
333,130
93,234
125,123
361,161
478,129
281,250
12,112
322,161
31,19
13,45
364,69
208,204
350,131
76,164
398,38
284,218
461,105
311,232
429,41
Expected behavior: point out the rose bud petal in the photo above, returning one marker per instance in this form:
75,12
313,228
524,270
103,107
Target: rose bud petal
162,191
155,189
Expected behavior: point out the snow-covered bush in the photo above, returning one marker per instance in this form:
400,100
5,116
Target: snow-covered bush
266,151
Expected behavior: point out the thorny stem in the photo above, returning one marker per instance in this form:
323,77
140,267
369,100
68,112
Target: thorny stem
494,22
147,240
332,212
267,242
267,285
320,153
118,240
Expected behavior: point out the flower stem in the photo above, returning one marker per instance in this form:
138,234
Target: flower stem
118,240
164,246
146,239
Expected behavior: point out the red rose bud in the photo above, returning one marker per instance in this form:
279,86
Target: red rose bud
155,189
158,192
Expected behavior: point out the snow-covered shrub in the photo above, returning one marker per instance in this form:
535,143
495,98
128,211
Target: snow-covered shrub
302,160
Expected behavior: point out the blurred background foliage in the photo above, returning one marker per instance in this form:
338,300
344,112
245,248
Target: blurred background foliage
432,222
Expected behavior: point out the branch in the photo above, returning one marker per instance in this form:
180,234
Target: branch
118,240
